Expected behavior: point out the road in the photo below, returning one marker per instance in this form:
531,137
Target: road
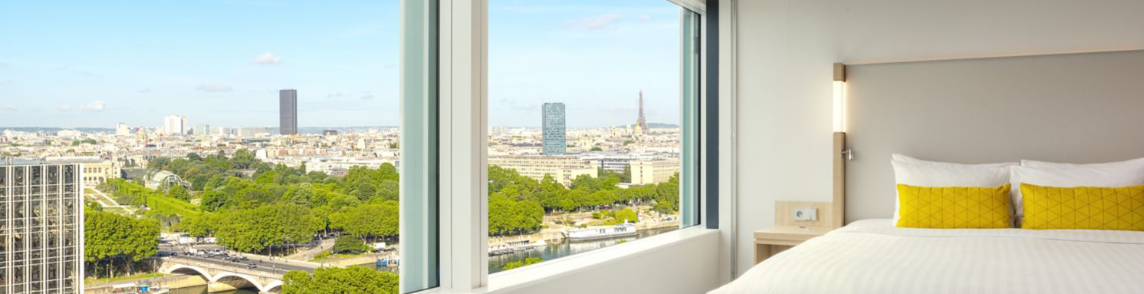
263,266
307,254
263,263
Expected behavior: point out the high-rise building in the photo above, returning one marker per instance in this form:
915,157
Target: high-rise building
203,130
641,121
555,142
186,127
288,111
174,125
41,209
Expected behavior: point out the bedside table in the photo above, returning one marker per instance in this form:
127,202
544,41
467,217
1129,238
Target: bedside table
771,241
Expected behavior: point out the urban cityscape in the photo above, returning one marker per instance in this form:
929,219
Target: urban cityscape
260,151
183,206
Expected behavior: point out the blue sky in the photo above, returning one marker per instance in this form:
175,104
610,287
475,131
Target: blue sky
96,63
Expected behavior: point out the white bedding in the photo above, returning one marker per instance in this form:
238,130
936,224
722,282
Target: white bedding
872,256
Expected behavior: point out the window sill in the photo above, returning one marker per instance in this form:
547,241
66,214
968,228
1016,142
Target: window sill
510,280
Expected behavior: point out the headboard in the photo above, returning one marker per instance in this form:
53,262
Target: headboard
1079,108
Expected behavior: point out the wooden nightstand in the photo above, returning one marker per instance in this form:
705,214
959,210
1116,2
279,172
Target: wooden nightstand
771,241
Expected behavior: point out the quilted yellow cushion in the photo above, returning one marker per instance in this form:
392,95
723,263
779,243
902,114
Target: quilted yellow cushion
1083,208
954,207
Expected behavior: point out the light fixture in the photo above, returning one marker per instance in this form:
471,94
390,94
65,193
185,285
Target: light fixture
839,98
841,153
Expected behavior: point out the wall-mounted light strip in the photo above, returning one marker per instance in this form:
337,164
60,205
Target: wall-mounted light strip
841,153
839,97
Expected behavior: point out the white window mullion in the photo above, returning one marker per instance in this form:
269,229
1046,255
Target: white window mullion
464,144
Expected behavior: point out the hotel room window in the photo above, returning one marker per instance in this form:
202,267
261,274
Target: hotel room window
592,121
185,140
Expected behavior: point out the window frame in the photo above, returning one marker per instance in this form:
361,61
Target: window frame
420,219
463,153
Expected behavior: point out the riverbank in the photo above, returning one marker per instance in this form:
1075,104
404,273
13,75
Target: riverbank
170,281
555,226
554,250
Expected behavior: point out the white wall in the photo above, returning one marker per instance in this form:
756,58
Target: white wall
786,48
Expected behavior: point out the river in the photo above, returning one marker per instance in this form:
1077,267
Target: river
496,263
558,250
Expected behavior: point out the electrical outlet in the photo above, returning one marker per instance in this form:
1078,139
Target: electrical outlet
805,214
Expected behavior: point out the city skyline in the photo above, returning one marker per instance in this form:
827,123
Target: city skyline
165,126
348,62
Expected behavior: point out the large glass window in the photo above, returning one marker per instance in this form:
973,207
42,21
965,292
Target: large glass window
231,136
592,126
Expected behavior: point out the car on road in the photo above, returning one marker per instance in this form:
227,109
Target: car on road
251,266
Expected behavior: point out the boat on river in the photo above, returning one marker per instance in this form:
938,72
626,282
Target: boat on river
598,233
511,247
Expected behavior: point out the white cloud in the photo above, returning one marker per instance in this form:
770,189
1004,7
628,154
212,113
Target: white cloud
645,17
8,107
268,58
95,106
597,23
215,88
64,107
144,91
367,96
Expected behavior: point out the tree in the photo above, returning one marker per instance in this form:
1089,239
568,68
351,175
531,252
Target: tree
158,163
274,225
339,280
368,220
179,192
508,216
198,225
526,262
627,215
84,141
111,238
348,245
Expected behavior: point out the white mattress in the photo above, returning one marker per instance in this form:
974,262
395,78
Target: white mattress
872,256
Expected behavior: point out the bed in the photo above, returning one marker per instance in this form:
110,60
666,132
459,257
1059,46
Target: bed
873,256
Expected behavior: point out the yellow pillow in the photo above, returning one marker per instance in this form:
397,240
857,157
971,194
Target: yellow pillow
1083,208
954,207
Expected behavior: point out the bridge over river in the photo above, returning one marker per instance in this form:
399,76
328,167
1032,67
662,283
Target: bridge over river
222,275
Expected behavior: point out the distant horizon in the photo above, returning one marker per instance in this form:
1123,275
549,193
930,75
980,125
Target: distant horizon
653,125
342,57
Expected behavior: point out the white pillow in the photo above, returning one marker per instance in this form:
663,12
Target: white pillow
1127,164
904,158
1110,175
917,172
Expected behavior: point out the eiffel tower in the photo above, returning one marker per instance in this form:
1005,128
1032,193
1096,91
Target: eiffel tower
641,122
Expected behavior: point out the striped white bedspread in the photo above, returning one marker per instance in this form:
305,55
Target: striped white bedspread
872,256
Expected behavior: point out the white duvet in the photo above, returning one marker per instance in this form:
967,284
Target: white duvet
872,256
